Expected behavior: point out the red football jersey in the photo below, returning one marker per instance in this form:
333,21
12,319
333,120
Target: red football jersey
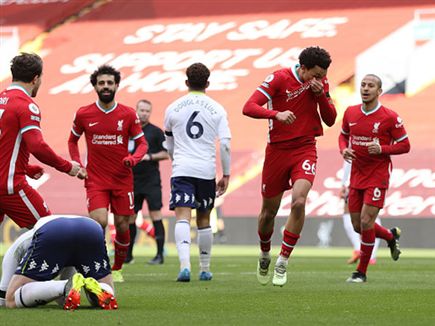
380,125
107,134
285,91
18,114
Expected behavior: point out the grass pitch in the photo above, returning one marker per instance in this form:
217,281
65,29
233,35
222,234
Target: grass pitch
397,293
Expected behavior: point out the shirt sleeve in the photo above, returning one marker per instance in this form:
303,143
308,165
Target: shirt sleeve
223,127
271,84
135,130
398,132
29,117
77,127
160,140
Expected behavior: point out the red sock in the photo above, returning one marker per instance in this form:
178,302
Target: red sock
148,228
288,242
265,241
383,233
367,243
122,242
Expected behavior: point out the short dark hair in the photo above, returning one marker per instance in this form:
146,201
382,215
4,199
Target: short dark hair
197,76
25,66
105,70
315,56
379,80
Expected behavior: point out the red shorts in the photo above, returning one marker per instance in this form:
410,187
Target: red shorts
282,165
373,196
25,207
121,201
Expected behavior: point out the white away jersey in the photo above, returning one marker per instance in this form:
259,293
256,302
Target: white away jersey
195,121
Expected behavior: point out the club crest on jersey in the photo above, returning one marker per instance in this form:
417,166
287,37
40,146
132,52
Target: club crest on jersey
33,108
376,127
119,140
295,93
399,123
120,122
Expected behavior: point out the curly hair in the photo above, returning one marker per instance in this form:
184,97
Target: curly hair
105,70
25,66
315,56
197,76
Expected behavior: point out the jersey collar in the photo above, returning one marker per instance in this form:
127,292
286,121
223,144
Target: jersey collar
106,111
196,93
376,108
21,88
295,73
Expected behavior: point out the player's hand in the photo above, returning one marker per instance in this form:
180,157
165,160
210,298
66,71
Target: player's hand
348,154
83,174
34,171
75,168
316,86
128,161
287,117
222,185
374,148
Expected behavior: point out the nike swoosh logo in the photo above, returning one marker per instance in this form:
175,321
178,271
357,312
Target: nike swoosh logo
131,207
376,198
93,124
352,124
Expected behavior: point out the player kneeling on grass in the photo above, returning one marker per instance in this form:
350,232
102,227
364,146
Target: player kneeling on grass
60,242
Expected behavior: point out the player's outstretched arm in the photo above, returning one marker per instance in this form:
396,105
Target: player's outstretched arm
225,151
40,149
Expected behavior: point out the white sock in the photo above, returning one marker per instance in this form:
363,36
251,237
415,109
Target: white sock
354,237
36,293
106,287
205,241
282,260
182,240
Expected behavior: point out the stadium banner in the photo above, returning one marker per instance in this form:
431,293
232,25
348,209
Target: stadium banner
241,50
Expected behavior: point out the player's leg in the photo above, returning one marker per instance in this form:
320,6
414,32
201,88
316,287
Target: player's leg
24,292
205,242
377,243
98,204
10,262
182,201
25,207
266,221
293,228
122,206
154,201
92,261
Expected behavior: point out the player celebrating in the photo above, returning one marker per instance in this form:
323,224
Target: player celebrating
49,252
107,126
192,124
370,134
294,97
20,135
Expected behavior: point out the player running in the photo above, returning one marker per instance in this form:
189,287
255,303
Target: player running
370,134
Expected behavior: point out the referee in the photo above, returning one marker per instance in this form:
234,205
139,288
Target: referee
147,182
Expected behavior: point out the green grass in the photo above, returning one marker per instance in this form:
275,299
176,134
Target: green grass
397,293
